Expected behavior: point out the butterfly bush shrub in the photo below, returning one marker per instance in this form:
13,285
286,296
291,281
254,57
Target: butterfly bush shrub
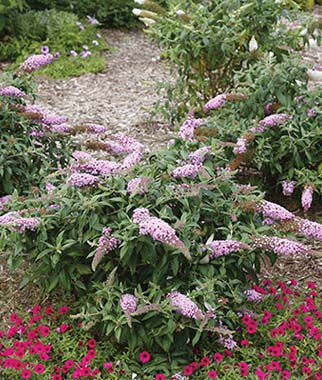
207,41
29,148
158,247
279,123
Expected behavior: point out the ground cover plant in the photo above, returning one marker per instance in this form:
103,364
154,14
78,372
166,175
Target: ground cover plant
76,44
279,337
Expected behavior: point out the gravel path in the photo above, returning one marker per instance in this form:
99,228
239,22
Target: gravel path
122,96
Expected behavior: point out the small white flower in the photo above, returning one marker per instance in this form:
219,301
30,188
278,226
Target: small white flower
315,75
253,45
139,1
180,12
303,32
147,21
137,11
134,376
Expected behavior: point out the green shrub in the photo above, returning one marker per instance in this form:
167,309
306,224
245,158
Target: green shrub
69,251
62,32
290,151
110,13
208,41
24,161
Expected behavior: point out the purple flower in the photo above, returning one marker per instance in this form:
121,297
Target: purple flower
311,112
87,163
61,128
106,244
280,246
132,159
15,221
85,54
36,62
228,342
80,25
73,53
241,146
137,185
128,303
288,188
92,20
215,103
12,91
44,50
50,187
307,197
188,170
157,229
82,180
4,201
198,157
253,295
274,211
57,54
274,120
184,305
187,130
311,230
225,247
96,128
95,43
98,35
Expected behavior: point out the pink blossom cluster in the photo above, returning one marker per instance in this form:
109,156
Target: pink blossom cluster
198,156
307,197
88,164
36,62
47,117
60,129
215,103
96,128
137,185
18,223
288,188
106,242
156,228
4,201
274,120
241,146
253,295
184,305
82,180
311,230
128,303
281,246
187,130
225,247
12,91
274,211
188,170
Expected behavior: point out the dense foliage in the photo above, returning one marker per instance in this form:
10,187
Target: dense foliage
279,336
76,44
24,161
110,13
208,41
289,151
